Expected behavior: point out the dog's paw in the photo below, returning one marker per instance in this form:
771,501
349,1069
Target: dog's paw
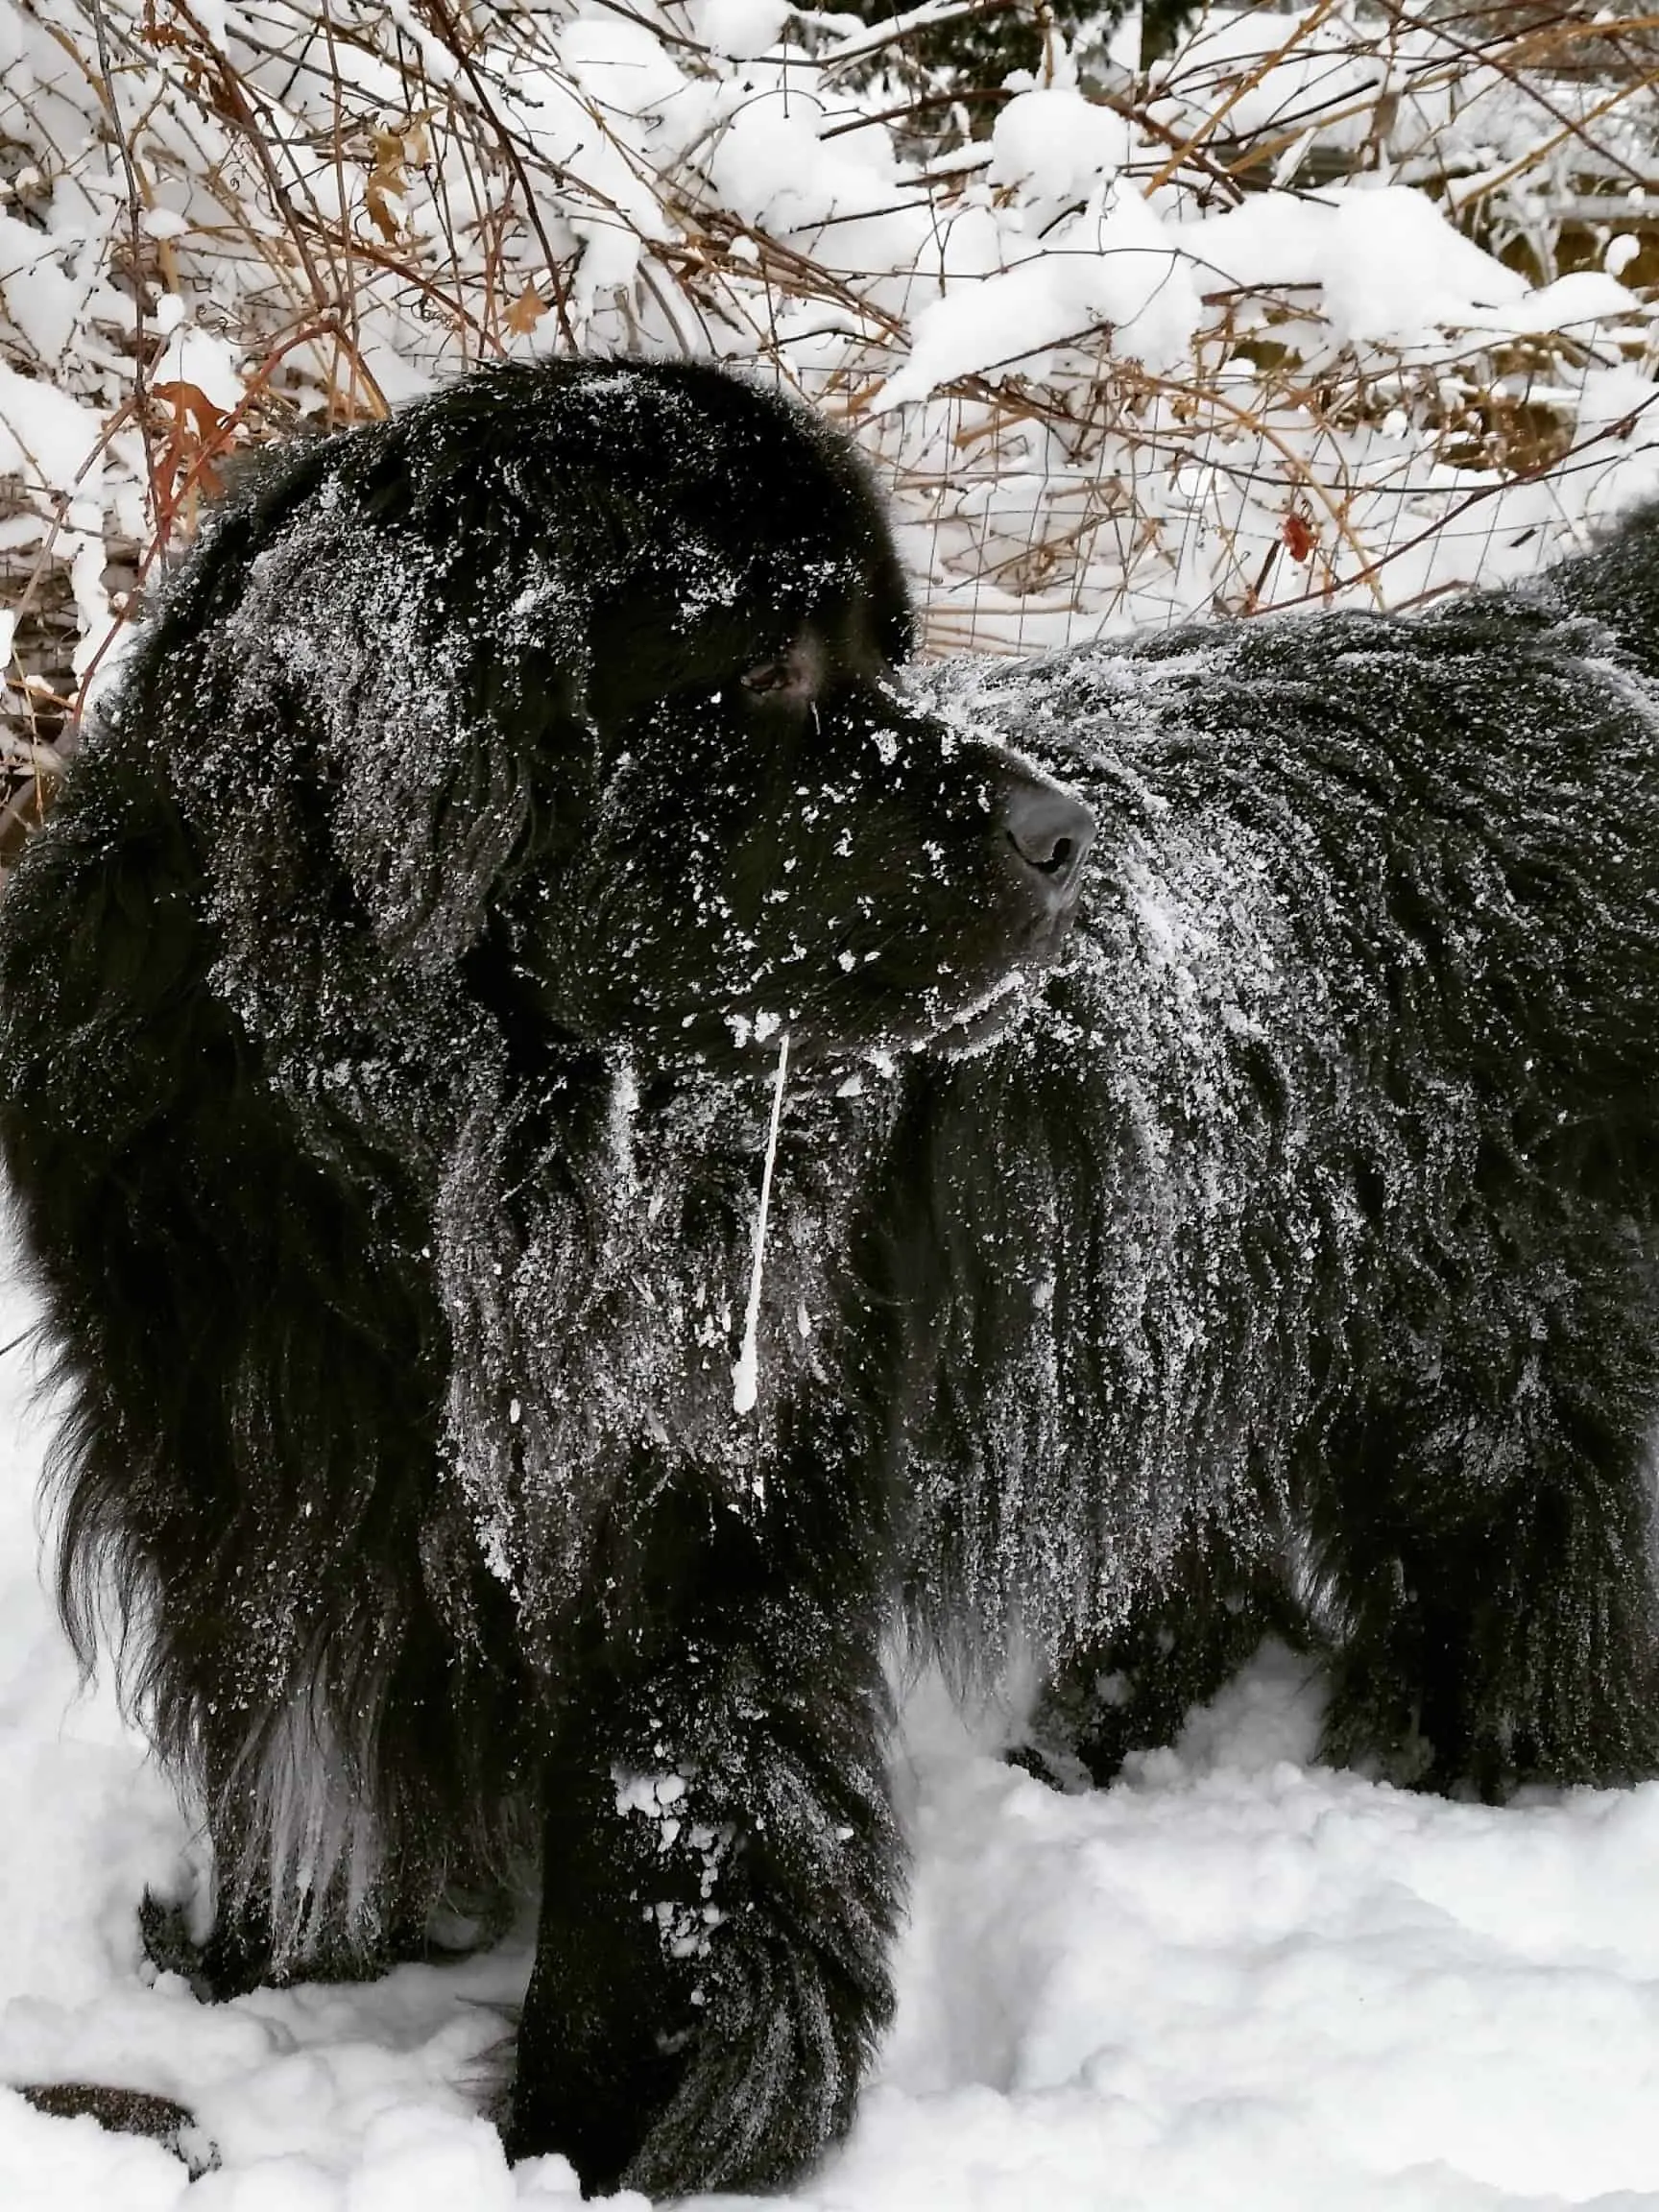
769,2084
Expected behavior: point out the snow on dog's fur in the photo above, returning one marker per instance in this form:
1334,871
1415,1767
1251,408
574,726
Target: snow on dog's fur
391,1013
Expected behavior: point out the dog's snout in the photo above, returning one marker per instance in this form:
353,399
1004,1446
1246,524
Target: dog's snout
1049,832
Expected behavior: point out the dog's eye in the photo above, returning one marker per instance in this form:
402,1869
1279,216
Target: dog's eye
792,677
773,676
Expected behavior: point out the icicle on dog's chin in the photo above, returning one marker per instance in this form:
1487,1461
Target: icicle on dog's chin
746,1374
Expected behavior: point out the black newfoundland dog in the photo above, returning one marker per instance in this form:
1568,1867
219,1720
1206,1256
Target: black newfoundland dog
580,1168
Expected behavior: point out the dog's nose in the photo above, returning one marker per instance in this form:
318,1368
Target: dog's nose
1049,832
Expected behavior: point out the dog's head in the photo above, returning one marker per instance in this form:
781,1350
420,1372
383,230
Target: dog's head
590,667
754,828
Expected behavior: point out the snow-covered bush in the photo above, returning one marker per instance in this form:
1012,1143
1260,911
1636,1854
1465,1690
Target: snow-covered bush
1322,305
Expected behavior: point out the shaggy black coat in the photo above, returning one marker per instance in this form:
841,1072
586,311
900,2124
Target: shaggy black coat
389,1018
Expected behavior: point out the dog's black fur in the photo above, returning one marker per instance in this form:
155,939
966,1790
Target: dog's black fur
390,1014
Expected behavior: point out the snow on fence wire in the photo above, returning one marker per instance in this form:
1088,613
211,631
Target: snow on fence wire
1345,305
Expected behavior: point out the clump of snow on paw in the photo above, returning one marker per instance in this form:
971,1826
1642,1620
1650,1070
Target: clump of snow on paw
682,1928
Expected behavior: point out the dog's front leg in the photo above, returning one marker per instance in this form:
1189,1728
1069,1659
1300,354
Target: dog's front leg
721,1874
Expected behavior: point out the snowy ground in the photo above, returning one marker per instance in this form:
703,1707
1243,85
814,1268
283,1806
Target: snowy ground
1233,1981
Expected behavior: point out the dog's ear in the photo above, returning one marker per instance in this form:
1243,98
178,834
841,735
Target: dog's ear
369,682
462,753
